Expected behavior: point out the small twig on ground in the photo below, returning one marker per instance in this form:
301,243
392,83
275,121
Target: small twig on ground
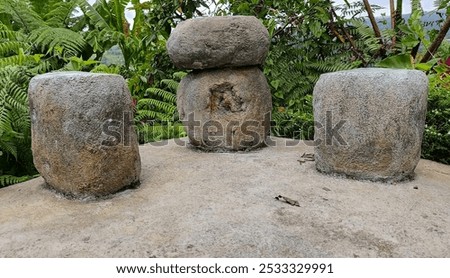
287,200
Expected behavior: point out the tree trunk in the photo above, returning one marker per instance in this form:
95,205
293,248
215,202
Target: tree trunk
392,7
399,12
372,19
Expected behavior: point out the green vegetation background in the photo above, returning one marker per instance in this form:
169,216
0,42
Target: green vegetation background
308,38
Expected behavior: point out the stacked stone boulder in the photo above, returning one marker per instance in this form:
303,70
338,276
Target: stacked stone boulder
83,140
225,102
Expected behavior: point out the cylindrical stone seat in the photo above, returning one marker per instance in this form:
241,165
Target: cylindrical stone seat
225,109
370,123
83,140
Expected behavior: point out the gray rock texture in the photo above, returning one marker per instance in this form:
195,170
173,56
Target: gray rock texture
370,122
82,135
216,42
195,204
225,109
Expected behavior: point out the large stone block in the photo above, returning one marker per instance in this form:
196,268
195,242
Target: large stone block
370,122
225,109
217,42
83,140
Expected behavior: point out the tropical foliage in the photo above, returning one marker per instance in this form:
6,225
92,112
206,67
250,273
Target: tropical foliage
308,38
16,161
436,141
156,114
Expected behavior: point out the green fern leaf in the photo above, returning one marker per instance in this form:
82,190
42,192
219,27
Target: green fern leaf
21,12
171,84
11,47
55,40
161,105
179,75
6,180
165,95
148,115
60,14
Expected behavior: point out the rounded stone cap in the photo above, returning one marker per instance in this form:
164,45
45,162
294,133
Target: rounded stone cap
370,122
217,42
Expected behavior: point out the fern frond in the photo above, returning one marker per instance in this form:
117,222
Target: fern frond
367,36
170,83
160,105
61,13
179,75
7,134
330,66
7,34
11,60
17,97
14,115
165,95
22,13
6,180
11,47
44,66
58,41
150,131
145,115
8,146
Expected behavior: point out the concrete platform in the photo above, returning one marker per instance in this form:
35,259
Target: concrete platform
194,204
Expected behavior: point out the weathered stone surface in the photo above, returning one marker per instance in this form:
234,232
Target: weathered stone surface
82,136
225,109
214,205
383,117
216,42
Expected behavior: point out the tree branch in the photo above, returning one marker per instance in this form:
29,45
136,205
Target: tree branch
353,46
290,21
437,42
